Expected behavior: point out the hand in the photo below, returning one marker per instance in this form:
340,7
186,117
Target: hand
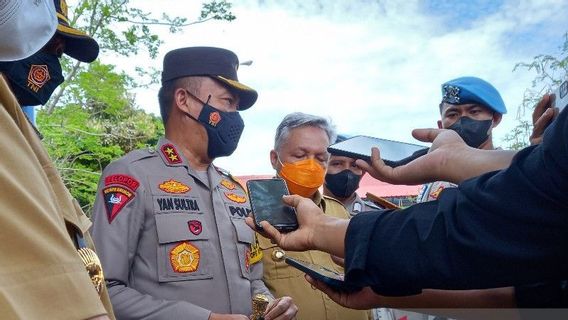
338,261
542,117
218,316
427,168
301,239
281,309
361,300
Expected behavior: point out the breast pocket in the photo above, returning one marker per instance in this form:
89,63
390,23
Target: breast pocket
184,250
245,238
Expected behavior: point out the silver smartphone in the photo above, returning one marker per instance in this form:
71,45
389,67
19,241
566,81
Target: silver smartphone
561,96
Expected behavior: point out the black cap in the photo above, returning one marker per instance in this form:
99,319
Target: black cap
217,63
78,44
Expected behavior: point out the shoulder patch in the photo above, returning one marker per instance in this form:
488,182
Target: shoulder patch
116,197
122,179
170,153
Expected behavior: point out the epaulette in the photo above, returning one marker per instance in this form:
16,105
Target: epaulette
136,155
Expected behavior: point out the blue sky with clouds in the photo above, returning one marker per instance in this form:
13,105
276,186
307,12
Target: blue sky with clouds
374,67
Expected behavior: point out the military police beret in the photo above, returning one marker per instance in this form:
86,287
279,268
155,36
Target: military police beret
220,64
473,90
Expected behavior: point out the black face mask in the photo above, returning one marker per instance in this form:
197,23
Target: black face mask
473,132
224,130
342,184
34,79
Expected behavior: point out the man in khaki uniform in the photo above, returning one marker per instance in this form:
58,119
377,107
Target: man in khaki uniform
300,157
45,247
170,225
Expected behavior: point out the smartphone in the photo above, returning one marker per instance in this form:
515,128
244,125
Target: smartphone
561,96
327,276
393,153
266,204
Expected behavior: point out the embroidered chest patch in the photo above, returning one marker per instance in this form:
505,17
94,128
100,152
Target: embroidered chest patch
184,257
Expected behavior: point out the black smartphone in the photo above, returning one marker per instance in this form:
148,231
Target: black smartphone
393,153
266,204
327,276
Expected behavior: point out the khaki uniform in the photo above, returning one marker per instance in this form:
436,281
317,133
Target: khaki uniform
285,280
41,273
173,241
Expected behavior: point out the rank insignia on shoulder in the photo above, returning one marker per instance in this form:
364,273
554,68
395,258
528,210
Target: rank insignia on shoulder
171,154
184,258
173,186
116,198
228,184
235,197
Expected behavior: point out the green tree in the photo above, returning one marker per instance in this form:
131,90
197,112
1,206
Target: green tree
92,118
550,72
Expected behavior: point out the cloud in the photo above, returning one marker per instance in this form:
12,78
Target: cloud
374,67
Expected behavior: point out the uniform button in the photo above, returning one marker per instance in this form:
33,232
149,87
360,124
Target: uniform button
278,255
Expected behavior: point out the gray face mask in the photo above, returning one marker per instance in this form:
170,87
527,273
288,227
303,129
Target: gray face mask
473,132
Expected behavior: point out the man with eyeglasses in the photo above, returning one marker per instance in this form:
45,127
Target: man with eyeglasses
169,224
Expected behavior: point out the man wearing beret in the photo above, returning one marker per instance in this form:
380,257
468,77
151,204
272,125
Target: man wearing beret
472,107
169,224
48,267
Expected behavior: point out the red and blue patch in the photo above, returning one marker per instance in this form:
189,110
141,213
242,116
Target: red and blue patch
119,190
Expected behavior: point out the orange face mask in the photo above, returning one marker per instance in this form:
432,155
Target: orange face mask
303,177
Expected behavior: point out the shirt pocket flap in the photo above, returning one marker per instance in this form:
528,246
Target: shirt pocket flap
244,233
175,227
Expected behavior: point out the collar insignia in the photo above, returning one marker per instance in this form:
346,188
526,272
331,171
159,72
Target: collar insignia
173,186
228,184
171,154
235,197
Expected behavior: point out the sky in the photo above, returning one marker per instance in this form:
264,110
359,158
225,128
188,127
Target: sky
372,67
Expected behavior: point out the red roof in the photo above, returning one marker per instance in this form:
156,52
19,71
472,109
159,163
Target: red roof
368,184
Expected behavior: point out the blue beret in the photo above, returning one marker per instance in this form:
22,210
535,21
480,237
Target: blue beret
473,90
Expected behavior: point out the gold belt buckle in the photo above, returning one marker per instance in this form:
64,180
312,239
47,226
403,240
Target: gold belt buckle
93,266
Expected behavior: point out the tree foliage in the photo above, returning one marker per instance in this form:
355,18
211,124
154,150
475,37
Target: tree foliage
550,72
93,118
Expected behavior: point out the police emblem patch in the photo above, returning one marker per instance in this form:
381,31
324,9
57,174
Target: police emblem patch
116,198
184,257
195,226
214,118
434,195
173,186
171,154
228,184
38,76
235,197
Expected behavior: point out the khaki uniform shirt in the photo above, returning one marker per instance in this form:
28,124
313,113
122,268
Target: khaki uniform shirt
173,241
41,273
285,280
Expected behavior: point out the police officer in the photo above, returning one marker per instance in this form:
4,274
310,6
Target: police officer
300,158
472,107
170,225
342,180
48,268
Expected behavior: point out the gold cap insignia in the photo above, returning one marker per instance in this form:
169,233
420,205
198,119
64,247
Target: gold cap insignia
184,257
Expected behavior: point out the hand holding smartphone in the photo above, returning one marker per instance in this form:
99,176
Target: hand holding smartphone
266,204
331,278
